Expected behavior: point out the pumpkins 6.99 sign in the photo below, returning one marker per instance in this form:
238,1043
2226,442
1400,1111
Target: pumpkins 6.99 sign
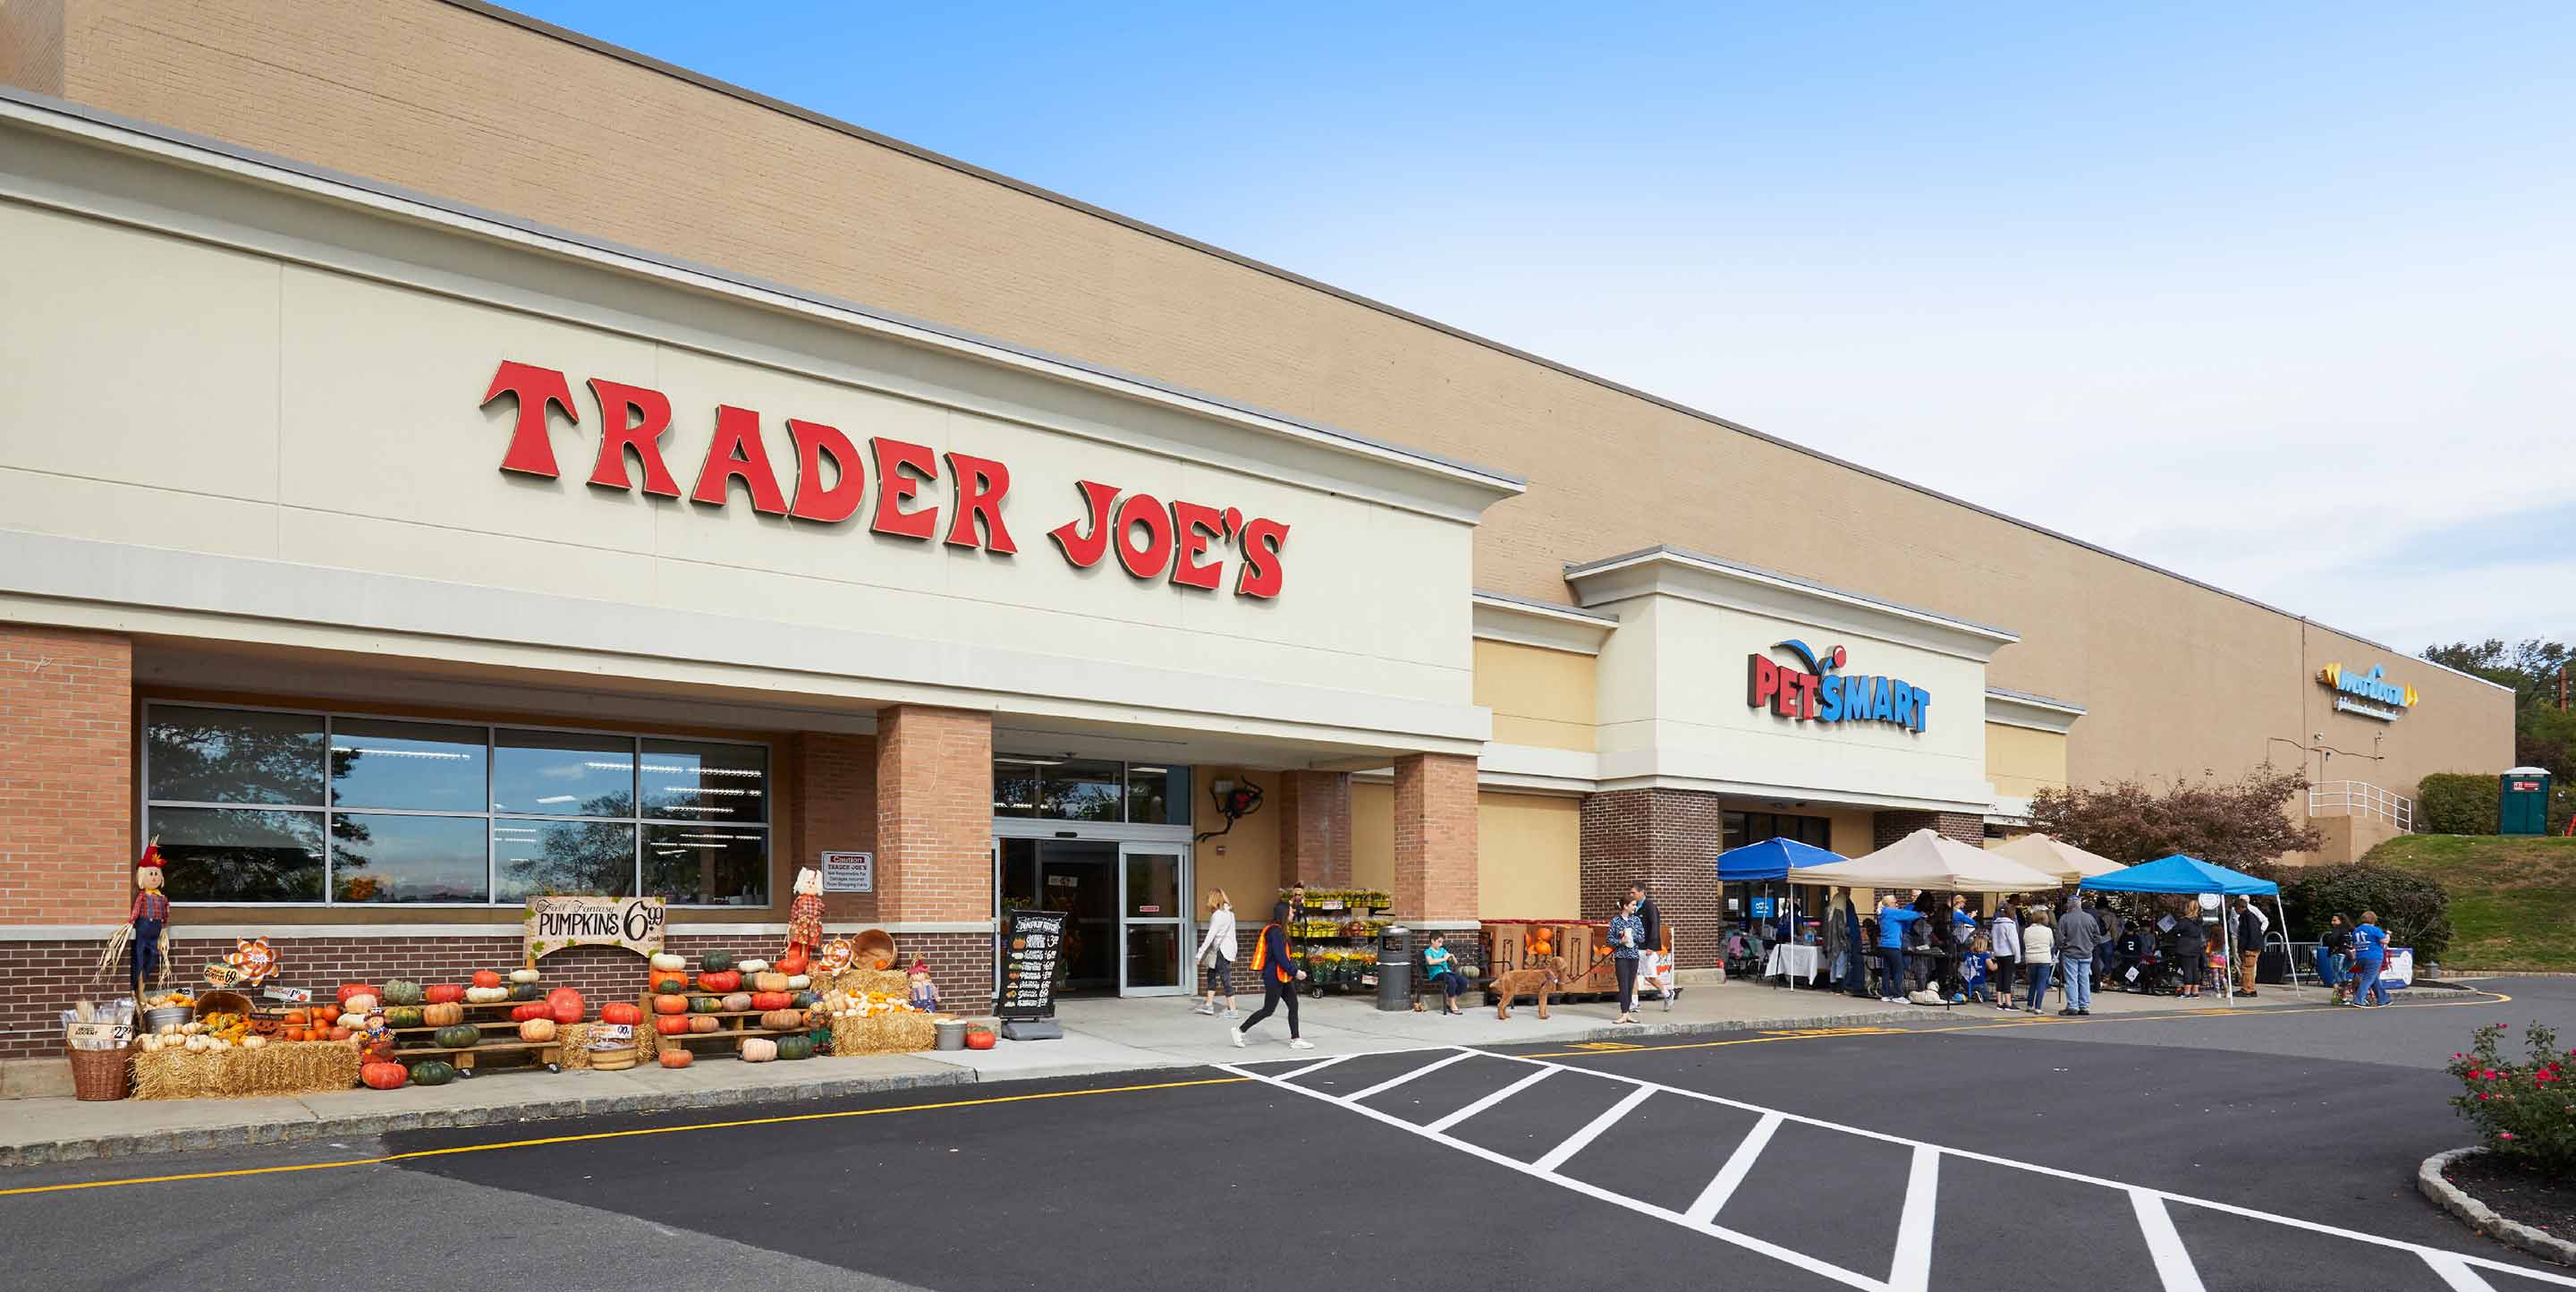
554,923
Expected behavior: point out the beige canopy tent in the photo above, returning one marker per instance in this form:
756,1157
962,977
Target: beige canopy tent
2057,857
1928,860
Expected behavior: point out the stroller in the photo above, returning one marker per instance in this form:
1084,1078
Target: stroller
1744,954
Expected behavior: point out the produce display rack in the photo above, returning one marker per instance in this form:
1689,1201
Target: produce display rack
731,1024
1353,915
410,1050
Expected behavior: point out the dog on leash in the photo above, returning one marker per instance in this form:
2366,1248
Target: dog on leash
1538,978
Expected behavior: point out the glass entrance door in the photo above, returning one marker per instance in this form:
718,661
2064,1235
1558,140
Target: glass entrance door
1153,919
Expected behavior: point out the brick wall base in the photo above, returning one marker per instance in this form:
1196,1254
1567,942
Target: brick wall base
1667,840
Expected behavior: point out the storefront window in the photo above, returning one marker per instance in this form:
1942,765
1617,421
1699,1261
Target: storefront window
371,810
1081,790
1085,789
1158,795
1744,828
1015,786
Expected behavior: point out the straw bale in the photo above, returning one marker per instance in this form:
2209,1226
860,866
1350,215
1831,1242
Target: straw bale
278,1068
900,1032
883,982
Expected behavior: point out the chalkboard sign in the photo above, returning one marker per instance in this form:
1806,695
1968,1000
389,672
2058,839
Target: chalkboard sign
1029,952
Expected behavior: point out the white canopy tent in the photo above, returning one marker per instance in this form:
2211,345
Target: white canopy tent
1928,860
2068,863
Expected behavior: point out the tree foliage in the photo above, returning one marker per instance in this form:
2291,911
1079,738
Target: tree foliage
2544,735
2456,803
2231,823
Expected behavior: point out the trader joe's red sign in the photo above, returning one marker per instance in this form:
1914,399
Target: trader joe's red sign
1182,542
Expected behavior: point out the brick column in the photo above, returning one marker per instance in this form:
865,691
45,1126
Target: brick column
934,814
66,777
1315,829
1435,837
1966,827
836,811
1667,840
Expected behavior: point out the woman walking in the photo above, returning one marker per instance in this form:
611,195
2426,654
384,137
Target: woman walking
1216,955
2003,940
1272,965
2038,954
1627,936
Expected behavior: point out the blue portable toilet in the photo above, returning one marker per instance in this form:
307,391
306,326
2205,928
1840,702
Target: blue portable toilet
2522,801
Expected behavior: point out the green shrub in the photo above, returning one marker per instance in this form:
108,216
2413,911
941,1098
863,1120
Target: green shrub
2522,1110
2413,908
2456,803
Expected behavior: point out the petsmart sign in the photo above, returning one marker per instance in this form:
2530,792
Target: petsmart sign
1816,689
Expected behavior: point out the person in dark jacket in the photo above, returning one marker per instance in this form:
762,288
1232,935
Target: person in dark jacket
2249,945
2191,948
1278,975
1654,943
2334,957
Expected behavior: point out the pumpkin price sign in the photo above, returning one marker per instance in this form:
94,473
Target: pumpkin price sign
554,923
1028,965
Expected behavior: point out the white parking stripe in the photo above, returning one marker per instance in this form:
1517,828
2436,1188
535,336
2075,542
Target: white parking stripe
1912,1270
1705,1208
2456,1273
2164,1244
1575,1142
1490,1100
1294,1073
1390,1084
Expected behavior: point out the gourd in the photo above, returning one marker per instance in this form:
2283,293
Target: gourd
402,991
362,1004
432,1072
383,1075
621,1012
442,1014
704,1023
671,1024
441,994
769,982
720,981
457,1036
783,1020
752,966
765,1000
348,989
795,1047
665,960
533,1009
486,978
526,991
759,1049
565,1005
738,1002
804,1000
704,1004
537,1029
670,1004
403,1016
799,982
670,986
523,975
718,961
675,1057
486,995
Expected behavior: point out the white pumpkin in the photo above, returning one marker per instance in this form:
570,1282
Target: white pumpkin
523,975
752,966
254,1042
799,982
152,1043
362,1003
666,960
196,1043
486,995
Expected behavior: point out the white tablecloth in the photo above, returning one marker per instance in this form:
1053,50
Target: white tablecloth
1793,960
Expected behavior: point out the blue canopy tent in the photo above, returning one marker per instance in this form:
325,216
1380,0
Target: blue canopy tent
2190,877
1767,862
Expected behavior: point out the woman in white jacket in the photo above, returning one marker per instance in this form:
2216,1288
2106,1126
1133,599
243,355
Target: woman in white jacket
2038,954
1216,955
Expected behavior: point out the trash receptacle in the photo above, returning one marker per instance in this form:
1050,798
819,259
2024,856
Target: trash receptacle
1395,968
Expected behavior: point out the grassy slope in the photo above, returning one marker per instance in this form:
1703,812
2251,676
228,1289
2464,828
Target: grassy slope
2513,901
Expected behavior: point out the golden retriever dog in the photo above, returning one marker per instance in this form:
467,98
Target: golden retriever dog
1538,978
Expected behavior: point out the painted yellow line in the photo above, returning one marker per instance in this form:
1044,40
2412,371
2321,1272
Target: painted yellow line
623,1134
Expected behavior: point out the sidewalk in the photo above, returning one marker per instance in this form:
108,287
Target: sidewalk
1101,1036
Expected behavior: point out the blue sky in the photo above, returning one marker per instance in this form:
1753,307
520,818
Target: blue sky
2275,295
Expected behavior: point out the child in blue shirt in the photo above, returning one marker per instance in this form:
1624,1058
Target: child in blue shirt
2369,956
1973,968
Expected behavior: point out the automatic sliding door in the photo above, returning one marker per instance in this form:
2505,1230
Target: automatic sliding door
1154,919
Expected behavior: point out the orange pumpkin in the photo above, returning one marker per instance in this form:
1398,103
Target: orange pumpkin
384,1075
565,1005
340,1034
675,1057
297,1018
769,1000
486,978
348,989
671,1024
532,1009
620,1012
537,1029
445,993
794,962
326,1013
667,1005
444,1014
702,1023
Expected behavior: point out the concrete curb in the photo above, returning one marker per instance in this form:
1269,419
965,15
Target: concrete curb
2478,1216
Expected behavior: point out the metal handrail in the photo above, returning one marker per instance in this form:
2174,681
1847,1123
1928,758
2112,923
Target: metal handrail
2361,798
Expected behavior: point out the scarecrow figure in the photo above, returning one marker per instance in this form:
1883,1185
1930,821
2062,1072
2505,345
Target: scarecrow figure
925,997
149,923
805,917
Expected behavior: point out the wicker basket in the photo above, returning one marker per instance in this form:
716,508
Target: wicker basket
100,1074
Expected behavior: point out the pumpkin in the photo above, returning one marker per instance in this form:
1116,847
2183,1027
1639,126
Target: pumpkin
794,962
523,975
720,982
796,1047
459,1036
670,1004
765,1000
432,1072
798,982
533,1009
486,995
564,1005
665,960
486,978
402,991
621,1012
751,966
704,1023
526,991
442,1014
362,1003
403,1016
783,1020
348,989
671,1024
675,1057
738,1002
769,982
804,1000
670,986
759,1049
718,961
537,1029
298,1017
441,994
979,1039
326,1014
383,1074
704,1004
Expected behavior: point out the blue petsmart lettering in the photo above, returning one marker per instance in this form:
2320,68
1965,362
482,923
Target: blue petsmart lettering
1821,692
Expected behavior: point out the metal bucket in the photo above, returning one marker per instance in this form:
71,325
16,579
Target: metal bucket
951,1033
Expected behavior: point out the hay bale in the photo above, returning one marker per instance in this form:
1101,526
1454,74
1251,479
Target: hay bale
278,1068
900,1032
887,983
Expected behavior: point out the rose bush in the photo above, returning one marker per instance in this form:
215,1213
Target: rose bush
2525,1111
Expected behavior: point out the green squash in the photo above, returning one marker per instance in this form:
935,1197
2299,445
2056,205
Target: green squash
670,986
432,1072
403,1016
705,1005
459,1036
527,991
805,1000
402,991
716,961
796,1047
